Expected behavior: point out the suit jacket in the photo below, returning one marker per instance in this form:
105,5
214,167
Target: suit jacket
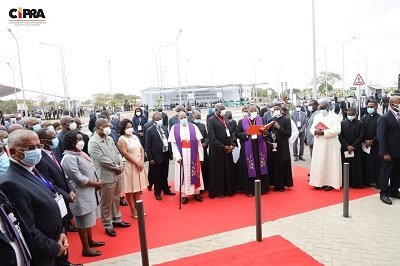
267,116
136,122
204,133
56,175
106,158
154,144
309,136
389,135
164,118
7,254
300,117
38,209
172,121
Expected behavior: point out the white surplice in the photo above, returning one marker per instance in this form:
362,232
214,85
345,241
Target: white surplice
187,187
326,163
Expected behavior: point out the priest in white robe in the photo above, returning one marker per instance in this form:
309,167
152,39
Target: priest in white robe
188,153
326,166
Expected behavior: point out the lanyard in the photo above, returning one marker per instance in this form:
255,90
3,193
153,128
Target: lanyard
44,182
221,120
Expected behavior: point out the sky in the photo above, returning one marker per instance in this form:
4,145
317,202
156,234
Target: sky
221,42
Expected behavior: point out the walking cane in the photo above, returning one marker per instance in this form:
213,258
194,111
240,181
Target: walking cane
180,184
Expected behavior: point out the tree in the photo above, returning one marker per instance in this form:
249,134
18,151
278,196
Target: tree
326,81
8,107
101,99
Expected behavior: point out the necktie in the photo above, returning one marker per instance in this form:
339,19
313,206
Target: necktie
11,223
55,160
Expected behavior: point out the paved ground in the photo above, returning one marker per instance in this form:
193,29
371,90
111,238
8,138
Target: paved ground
370,237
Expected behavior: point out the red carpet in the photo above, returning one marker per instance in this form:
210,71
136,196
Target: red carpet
273,250
166,224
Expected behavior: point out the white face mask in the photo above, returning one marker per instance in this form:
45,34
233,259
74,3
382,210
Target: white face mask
129,131
298,109
50,128
73,126
277,113
253,115
159,123
223,112
138,114
80,145
107,131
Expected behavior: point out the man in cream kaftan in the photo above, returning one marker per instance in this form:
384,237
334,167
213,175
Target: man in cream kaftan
187,149
326,166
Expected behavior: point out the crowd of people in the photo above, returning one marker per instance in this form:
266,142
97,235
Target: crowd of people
55,178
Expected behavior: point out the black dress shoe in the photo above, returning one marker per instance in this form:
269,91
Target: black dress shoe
97,244
198,198
328,188
395,195
301,158
170,193
185,200
122,202
221,196
111,232
149,188
121,224
158,197
386,200
72,228
91,254
74,264
296,158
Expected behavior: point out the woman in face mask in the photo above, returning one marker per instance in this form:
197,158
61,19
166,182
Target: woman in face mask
134,178
79,170
139,120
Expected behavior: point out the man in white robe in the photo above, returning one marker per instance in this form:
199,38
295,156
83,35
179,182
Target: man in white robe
326,166
188,153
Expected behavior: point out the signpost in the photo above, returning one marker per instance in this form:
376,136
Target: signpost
359,82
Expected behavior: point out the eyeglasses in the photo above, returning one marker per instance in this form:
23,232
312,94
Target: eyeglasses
31,147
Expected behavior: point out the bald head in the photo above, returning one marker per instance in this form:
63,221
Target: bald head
181,115
22,138
29,122
14,127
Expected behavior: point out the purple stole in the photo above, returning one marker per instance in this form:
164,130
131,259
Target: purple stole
193,150
248,148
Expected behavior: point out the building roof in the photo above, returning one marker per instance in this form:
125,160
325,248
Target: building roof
7,90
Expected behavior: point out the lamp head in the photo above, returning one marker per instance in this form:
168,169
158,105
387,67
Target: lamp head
9,30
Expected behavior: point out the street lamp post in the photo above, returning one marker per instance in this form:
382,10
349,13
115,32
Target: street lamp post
20,74
177,61
314,92
344,43
255,77
15,88
63,74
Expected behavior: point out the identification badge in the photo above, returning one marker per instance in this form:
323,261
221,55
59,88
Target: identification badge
165,141
61,205
227,132
139,127
298,124
254,136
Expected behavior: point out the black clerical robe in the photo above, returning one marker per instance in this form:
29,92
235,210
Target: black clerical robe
279,163
221,166
351,134
372,161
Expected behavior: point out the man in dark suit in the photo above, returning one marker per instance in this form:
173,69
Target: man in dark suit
158,152
174,120
204,142
51,168
35,198
15,241
300,119
164,116
268,115
389,148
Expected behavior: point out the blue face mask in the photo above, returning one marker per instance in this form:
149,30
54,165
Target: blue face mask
4,162
371,110
184,122
324,112
351,117
54,143
196,121
32,158
159,123
36,128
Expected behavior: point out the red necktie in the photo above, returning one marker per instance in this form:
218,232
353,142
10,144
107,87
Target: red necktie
55,160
